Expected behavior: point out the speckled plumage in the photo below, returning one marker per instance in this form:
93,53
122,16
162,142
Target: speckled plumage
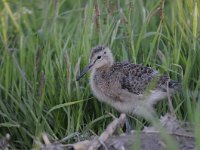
97,49
130,88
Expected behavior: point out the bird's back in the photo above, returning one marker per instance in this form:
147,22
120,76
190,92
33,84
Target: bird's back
137,78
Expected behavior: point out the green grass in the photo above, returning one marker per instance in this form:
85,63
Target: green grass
45,43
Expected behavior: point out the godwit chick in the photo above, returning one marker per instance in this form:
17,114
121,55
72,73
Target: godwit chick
130,88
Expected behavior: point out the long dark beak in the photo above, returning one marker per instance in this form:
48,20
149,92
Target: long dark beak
85,70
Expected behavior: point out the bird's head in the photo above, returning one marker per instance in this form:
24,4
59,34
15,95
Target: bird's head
101,56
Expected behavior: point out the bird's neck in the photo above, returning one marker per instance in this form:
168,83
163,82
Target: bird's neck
104,68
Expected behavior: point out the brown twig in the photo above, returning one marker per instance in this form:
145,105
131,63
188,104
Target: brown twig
150,137
111,128
96,17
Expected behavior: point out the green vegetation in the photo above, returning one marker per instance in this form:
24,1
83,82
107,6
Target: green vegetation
45,43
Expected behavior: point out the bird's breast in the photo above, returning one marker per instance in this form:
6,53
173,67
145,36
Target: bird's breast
105,90
99,86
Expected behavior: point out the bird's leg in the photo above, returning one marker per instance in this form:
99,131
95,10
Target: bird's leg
171,108
128,125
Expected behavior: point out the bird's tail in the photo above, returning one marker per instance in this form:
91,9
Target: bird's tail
175,85
165,83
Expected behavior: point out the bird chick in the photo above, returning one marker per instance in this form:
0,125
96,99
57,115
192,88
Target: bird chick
129,88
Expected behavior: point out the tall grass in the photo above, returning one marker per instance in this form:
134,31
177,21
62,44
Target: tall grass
45,43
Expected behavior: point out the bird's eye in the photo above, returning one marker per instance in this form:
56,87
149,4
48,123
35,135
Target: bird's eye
105,52
99,57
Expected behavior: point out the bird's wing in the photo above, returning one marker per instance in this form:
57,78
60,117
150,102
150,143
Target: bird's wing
136,78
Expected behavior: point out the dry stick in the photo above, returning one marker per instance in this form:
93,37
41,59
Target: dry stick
107,141
4,142
45,139
111,128
83,145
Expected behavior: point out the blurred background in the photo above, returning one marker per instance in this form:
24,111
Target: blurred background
44,45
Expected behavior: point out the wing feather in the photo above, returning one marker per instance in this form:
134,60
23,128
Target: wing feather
135,77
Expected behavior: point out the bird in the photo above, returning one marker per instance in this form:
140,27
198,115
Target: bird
129,88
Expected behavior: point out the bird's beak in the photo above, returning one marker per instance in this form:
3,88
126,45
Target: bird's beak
85,70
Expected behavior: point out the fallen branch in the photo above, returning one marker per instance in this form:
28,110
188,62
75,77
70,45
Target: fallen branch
4,142
150,138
